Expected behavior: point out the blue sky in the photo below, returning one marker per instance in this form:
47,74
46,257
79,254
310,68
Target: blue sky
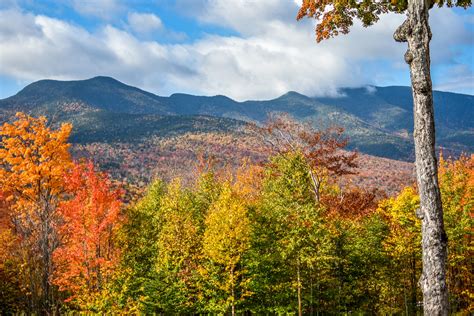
245,49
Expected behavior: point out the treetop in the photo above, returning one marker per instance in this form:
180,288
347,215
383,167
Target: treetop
336,16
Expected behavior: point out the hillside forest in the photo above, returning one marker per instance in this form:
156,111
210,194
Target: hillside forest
292,233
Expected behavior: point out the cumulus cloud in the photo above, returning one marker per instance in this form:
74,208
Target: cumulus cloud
148,25
271,54
144,22
248,17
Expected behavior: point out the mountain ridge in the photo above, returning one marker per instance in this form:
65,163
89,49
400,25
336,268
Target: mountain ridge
378,120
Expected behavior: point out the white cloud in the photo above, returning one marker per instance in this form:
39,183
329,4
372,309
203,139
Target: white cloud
272,55
144,22
248,17
149,25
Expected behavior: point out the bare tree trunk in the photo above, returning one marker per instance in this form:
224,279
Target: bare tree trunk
416,31
316,186
232,291
300,311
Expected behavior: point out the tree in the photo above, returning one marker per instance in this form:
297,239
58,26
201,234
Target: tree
322,150
225,243
11,296
292,243
456,179
33,160
336,16
356,236
404,241
87,256
179,248
403,246
138,237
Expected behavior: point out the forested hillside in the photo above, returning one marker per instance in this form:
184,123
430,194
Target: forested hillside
208,205
292,233
377,119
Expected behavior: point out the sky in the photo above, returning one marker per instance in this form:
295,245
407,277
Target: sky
244,49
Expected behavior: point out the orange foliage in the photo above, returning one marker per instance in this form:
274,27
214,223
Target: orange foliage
33,159
353,204
320,148
248,181
87,256
323,150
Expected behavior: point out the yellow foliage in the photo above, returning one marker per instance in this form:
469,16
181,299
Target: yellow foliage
178,239
456,179
405,238
226,240
227,234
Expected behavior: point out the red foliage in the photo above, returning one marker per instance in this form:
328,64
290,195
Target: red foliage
87,255
354,203
321,148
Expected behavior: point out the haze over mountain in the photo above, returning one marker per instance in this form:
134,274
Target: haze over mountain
378,120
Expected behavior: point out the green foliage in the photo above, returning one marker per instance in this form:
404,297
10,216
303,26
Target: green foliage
289,241
138,238
337,16
257,241
163,246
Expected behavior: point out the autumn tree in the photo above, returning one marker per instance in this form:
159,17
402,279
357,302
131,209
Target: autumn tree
290,242
357,258
87,255
456,179
404,240
33,160
322,150
138,237
225,243
403,244
11,296
336,16
179,247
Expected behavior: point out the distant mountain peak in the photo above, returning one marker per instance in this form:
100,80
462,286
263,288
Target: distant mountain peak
377,119
103,79
293,94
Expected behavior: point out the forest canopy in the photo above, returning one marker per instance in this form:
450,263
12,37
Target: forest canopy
256,239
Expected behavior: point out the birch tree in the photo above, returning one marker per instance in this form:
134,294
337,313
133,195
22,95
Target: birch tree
336,16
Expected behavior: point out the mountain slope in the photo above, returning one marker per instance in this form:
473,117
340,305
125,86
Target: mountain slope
103,93
378,120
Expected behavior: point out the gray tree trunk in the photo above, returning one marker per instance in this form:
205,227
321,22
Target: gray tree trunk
416,31
300,310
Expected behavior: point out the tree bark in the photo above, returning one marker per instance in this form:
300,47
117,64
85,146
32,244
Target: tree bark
416,31
232,291
300,310
316,186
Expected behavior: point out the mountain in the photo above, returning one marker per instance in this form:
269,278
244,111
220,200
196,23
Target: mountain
378,120
102,93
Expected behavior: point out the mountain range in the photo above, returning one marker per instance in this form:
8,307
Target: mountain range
378,120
